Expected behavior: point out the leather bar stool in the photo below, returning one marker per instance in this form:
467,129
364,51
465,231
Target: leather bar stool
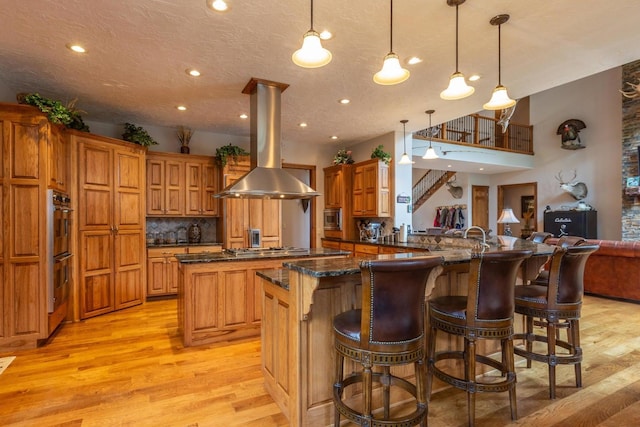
387,331
539,236
557,305
531,266
485,314
564,242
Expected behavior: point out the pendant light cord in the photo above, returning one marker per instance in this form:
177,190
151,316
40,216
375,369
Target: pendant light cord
312,14
499,56
457,71
391,26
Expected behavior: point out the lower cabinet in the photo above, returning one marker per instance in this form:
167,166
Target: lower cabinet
162,268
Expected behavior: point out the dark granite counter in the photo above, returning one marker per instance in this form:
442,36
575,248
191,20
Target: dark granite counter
227,257
278,276
182,245
451,255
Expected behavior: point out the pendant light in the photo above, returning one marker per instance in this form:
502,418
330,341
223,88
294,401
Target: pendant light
430,154
405,159
458,87
311,54
392,72
499,99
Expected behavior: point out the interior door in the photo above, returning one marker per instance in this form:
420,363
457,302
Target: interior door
480,206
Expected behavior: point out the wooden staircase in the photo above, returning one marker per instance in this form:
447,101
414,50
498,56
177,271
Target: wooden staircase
426,186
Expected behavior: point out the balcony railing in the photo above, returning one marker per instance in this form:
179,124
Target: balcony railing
481,132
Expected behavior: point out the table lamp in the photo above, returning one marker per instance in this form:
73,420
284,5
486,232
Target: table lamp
507,217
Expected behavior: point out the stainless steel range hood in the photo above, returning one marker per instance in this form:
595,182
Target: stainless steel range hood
266,178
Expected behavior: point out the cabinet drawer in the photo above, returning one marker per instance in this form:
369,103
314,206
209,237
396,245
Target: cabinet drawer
346,247
331,244
366,249
162,252
204,249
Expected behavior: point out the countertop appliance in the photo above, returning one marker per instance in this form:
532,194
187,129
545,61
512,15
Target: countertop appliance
332,219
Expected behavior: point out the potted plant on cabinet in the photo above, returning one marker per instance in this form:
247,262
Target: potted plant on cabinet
229,151
379,153
137,135
184,136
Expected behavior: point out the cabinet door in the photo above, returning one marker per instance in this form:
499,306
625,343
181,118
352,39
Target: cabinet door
234,296
210,205
174,183
58,160
384,190
96,273
155,187
333,187
129,250
358,191
194,189
95,186
156,283
128,190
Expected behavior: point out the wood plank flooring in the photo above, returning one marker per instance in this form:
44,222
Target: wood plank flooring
130,369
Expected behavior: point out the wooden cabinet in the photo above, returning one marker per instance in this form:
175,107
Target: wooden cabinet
201,185
25,135
371,189
162,268
58,158
240,215
181,185
365,251
338,194
111,200
331,244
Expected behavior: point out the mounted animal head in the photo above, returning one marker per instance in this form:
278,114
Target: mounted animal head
455,190
635,89
578,190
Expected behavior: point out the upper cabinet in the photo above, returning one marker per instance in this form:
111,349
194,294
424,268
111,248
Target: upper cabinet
181,185
58,157
337,184
371,189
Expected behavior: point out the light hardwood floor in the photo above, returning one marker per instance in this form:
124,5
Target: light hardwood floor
129,368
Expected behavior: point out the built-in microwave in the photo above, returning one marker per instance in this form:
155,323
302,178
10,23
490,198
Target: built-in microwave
333,219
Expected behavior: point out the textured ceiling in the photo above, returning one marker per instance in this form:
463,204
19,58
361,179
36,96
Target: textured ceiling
138,51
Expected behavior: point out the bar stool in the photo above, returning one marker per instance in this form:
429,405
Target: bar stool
539,236
564,242
531,266
486,313
557,305
387,331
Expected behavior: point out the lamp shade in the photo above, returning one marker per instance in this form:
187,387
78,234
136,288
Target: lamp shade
392,72
457,89
430,154
499,99
311,54
405,160
507,217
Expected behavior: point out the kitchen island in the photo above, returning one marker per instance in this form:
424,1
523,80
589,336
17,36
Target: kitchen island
298,309
218,296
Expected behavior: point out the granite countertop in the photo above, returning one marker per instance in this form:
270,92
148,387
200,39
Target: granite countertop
183,244
277,276
227,257
451,255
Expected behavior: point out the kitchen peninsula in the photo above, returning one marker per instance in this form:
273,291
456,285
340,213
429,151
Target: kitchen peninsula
219,298
301,302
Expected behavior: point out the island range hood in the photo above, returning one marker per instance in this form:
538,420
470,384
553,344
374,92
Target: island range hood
266,180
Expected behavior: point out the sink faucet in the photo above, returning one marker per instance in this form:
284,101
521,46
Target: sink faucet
484,236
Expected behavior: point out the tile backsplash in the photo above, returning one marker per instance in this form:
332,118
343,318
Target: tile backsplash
180,226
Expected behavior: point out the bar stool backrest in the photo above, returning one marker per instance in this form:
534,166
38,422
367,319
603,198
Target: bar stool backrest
566,285
393,298
539,236
492,279
566,241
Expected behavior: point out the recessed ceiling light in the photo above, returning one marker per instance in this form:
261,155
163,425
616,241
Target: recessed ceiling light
218,5
243,116
76,48
192,72
414,60
181,107
326,35
334,137
481,169
449,166
303,125
344,101
474,77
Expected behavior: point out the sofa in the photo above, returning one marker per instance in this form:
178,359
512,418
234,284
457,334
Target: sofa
613,270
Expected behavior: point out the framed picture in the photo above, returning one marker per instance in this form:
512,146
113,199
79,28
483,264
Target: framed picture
527,205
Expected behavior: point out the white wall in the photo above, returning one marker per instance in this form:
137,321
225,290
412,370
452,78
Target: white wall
596,101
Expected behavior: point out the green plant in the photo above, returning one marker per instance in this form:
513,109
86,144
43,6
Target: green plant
379,153
57,113
226,151
343,157
137,135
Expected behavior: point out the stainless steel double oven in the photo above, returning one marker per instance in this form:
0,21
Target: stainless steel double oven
58,248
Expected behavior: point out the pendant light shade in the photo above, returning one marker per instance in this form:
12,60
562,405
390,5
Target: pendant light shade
311,54
500,98
430,154
405,159
392,72
458,87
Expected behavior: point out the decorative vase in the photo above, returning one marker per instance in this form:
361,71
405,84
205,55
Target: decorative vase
184,149
194,233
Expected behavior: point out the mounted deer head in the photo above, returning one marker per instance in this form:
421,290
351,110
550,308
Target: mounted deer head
578,190
455,190
635,89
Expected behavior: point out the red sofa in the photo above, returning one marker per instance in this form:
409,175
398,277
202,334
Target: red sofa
613,270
